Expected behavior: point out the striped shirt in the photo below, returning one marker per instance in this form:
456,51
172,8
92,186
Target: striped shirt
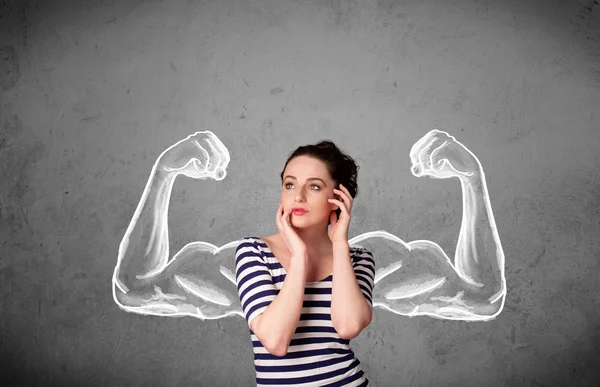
316,356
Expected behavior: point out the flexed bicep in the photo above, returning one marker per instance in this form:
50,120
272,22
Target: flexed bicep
419,279
199,281
146,280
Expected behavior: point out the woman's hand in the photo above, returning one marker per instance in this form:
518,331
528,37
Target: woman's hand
294,243
338,232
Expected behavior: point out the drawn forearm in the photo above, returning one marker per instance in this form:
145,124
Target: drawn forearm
144,250
479,257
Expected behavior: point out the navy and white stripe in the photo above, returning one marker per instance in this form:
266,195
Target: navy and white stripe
317,355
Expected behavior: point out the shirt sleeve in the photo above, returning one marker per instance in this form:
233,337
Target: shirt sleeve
254,282
364,269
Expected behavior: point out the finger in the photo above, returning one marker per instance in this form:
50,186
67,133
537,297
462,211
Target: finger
436,160
278,218
345,198
197,165
347,192
333,219
281,224
416,148
341,205
214,155
330,201
205,157
424,160
285,219
340,194
350,198
220,152
221,149
344,192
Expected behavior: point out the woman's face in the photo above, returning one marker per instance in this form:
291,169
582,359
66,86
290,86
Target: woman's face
307,184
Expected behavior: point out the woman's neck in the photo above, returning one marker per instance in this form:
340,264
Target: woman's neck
316,240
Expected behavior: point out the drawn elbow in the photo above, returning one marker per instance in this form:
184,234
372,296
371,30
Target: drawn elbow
121,296
127,298
487,310
495,301
494,308
488,303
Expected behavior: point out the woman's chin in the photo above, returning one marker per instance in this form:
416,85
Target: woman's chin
299,223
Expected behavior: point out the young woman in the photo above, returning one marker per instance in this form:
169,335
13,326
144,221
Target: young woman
304,291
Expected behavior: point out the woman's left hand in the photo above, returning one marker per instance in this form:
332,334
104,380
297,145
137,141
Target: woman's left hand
339,227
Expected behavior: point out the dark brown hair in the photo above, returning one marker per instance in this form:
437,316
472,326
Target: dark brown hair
341,167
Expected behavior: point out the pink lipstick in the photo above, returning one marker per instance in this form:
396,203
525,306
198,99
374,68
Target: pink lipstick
299,211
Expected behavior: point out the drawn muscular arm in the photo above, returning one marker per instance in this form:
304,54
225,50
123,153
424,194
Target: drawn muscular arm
145,280
422,280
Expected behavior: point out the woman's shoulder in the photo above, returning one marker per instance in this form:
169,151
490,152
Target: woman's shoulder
249,248
249,242
256,242
357,249
358,253
249,238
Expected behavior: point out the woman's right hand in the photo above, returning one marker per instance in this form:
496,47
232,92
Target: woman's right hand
200,155
294,243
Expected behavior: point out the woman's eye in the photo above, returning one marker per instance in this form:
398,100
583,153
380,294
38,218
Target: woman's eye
312,185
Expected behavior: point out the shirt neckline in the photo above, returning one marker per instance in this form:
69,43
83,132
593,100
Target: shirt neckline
330,276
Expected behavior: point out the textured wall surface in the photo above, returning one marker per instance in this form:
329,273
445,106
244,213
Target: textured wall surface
93,91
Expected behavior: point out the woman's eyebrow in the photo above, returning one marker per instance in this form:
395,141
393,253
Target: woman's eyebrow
310,178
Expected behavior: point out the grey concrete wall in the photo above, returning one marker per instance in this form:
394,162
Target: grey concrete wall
93,91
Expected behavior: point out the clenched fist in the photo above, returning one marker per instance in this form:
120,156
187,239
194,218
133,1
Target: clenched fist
200,155
441,156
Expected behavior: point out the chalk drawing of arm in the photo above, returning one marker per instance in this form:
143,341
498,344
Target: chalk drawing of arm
418,278
197,281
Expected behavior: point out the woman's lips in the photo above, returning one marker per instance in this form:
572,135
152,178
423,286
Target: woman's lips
299,212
